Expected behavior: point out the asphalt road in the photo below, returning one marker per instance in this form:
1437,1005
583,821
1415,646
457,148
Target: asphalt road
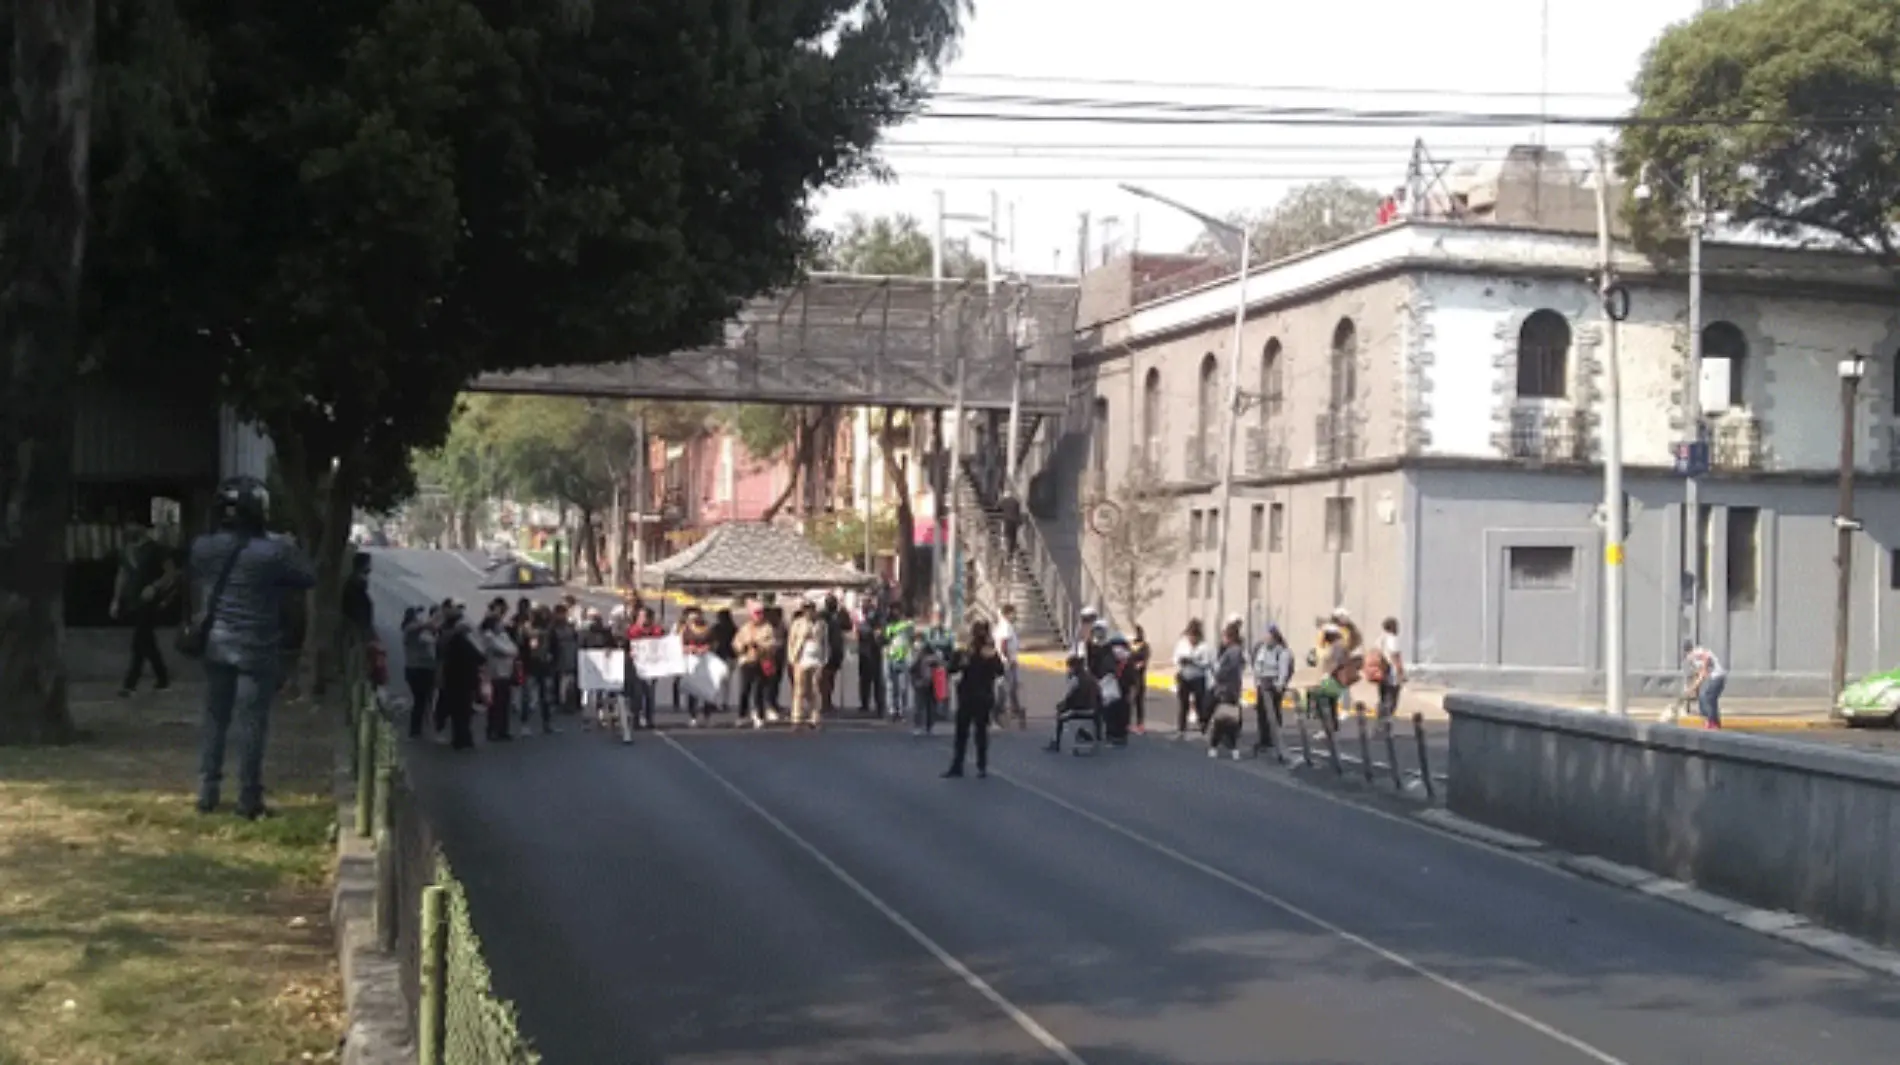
737,897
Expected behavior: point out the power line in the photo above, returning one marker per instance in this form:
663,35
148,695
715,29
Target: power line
1226,86
1397,145
1172,113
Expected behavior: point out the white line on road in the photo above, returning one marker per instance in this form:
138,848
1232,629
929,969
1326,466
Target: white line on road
472,567
1470,993
949,961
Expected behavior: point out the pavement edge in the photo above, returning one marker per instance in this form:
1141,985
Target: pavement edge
1776,924
376,1016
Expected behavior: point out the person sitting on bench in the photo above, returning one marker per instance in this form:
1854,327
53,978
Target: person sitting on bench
1081,702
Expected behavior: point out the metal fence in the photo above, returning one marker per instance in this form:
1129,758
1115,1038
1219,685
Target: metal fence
422,912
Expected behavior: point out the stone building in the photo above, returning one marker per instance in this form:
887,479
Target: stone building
1422,437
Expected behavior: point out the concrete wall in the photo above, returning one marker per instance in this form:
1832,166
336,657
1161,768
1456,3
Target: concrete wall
1785,826
1470,626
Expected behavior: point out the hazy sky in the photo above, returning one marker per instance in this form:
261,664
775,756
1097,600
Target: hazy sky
1481,57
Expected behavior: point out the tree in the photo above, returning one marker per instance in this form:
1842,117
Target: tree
894,246
840,534
51,88
1308,217
1140,545
1794,129
335,216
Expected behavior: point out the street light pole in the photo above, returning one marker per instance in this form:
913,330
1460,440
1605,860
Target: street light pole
1692,402
936,359
1845,526
1615,699
1229,235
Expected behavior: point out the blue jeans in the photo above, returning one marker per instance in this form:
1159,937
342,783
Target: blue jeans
1709,699
246,695
897,682
640,697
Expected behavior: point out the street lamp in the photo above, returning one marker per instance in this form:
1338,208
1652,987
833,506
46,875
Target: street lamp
1235,240
1851,370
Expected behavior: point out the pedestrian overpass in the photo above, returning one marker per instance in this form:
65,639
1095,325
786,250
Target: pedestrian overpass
857,341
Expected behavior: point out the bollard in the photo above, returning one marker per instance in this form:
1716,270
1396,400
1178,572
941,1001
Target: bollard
432,1013
1299,726
365,773
386,921
1272,734
385,794
1392,753
1331,729
1424,763
1365,744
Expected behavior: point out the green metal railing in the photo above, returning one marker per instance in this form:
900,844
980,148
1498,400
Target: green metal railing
422,910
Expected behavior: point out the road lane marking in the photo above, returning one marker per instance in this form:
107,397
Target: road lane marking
472,568
1416,968
949,961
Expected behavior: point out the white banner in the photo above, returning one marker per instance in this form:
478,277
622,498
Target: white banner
659,656
603,671
705,677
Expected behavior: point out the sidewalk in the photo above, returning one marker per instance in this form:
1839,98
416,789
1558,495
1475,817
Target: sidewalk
1751,714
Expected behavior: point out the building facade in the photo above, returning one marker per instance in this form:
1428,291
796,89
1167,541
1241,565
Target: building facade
1422,433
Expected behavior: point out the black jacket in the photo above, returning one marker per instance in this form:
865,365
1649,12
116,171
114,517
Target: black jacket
977,675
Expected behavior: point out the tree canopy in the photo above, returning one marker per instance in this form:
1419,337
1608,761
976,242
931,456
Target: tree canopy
894,245
1306,218
1795,129
337,215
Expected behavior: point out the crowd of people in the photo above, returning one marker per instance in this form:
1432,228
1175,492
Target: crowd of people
1107,690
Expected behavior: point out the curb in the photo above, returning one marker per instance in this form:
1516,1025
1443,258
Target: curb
377,1016
1776,924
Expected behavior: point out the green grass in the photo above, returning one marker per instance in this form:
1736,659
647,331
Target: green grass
134,930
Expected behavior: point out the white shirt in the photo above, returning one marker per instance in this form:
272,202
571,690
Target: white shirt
1006,640
1700,655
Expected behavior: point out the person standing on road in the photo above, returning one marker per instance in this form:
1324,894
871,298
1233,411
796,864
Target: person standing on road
833,625
724,631
806,646
420,626
1272,676
501,653
1140,654
929,674
146,586
1010,647
642,692
695,640
1385,668
1230,667
242,575
756,645
463,659
900,636
780,668
1193,658
1707,679
564,659
542,679
872,694
979,670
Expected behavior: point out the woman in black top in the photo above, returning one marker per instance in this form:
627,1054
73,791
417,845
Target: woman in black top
978,668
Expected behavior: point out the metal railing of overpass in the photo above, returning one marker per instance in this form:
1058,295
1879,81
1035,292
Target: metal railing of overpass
856,340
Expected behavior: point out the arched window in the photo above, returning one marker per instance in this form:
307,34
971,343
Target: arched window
1543,356
1343,373
1724,354
1151,418
1272,384
1207,408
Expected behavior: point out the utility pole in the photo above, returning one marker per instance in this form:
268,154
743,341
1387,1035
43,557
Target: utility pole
1615,699
1230,423
870,456
1692,401
640,497
1845,526
936,359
